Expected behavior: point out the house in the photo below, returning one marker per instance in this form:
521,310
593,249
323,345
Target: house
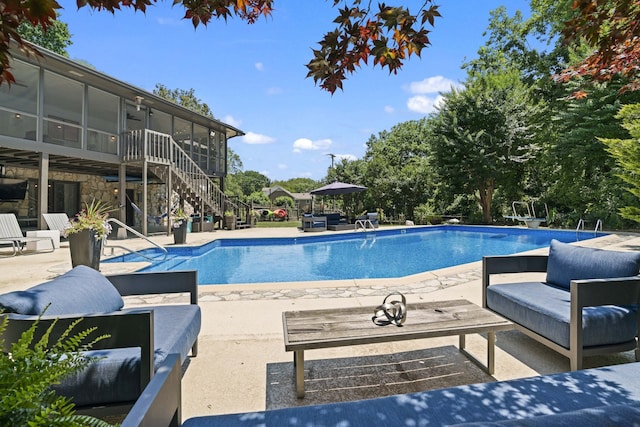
301,201
74,134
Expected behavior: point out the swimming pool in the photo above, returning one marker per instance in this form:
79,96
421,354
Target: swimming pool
358,255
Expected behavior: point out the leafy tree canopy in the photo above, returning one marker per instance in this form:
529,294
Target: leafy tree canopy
388,35
184,98
56,38
612,29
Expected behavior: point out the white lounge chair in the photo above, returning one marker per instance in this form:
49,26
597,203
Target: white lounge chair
10,232
57,221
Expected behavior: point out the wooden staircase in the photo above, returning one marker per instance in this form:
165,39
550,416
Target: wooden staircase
168,161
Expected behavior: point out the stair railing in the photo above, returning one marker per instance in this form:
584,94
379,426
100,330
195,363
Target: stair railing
159,148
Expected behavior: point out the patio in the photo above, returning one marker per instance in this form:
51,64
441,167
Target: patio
241,342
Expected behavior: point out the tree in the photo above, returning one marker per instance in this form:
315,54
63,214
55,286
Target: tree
611,28
398,169
481,137
579,172
56,38
626,152
387,36
251,181
297,185
184,98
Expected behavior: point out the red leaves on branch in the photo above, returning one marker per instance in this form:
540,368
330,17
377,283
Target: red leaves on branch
612,28
389,36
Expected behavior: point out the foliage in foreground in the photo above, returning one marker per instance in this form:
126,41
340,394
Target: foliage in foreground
29,369
626,152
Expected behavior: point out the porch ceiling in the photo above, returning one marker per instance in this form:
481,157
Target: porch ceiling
30,159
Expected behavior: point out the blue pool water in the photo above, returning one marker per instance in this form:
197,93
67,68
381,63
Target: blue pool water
385,253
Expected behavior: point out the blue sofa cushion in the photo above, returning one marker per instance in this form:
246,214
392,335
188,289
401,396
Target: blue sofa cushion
488,402
116,376
545,309
615,415
567,263
81,290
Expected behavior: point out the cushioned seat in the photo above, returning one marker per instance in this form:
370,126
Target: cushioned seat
522,399
546,310
588,304
119,370
116,376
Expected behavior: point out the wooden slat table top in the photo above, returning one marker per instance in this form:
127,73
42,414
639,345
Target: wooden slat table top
313,329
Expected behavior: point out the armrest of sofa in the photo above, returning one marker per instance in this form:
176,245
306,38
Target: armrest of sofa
510,264
597,292
127,328
160,403
157,282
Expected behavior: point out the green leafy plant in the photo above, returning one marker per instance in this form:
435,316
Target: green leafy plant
229,213
28,369
93,217
178,217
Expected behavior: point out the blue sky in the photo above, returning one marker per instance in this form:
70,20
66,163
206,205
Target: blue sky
253,76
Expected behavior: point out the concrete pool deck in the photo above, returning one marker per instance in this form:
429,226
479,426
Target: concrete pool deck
241,342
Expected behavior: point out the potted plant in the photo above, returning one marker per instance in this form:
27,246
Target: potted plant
179,220
229,220
88,230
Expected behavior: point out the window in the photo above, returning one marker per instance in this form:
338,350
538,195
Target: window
201,146
182,134
19,102
63,101
102,121
22,95
160,122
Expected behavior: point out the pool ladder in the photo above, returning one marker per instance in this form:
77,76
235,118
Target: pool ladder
142,236
365,224
580,227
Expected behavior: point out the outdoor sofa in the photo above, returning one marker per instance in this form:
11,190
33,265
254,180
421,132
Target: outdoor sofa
592,397
140,338
587,305
335,222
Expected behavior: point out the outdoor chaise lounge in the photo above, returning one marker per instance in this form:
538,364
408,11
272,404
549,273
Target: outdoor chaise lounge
587,305
141,339
10,232
57,221
592,397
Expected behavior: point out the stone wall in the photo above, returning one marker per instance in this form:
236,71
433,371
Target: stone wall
91,187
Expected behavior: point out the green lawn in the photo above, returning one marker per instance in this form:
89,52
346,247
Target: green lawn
279,224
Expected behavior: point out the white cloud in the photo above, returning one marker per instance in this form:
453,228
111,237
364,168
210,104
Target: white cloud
274,91
230,120
253,138
434,84
389,109
423,104
305,144
259,66
282,166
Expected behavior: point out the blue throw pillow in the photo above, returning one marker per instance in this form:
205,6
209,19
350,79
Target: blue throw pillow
79,291
567,263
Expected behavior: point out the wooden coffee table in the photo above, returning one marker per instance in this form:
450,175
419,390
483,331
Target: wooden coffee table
338,327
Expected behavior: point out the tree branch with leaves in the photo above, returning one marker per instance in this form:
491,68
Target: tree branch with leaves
388,35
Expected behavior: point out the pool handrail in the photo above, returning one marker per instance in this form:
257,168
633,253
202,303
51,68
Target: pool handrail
142,236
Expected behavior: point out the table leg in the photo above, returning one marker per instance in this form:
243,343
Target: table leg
298,363
489,368
491,352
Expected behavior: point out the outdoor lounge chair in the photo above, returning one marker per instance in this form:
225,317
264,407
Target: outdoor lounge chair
10,232
57,221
